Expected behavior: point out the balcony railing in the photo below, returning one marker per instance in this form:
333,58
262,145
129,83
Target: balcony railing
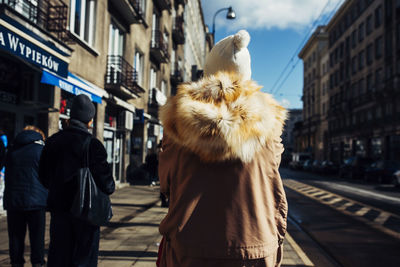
163,4
176,75
159,46
177,32
49,15
132,11
121,73
183,2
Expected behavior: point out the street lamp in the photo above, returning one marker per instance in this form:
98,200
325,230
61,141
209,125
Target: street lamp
230,15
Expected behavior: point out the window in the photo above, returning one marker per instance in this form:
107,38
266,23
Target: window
378,16
361,87
83,19
361,32
369,24
369,54
173,62
378,79
139,67
152,83
388,44
116,41
142,6
354,65
153,78
354,39
378,47
361,60
369,83
164,87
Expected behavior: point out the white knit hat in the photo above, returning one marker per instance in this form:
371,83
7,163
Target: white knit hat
230,54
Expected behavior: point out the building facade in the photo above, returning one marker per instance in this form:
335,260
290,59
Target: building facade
359,80
288,138
127,56
311,135
364,51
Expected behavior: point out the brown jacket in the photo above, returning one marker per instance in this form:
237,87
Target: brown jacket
219,166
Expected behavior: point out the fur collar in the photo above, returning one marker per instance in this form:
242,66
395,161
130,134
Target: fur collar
222,117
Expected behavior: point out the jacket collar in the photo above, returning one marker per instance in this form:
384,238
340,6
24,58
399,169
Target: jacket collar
78,125
222,117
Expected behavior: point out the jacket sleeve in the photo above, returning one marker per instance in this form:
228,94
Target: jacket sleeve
164,166
99,167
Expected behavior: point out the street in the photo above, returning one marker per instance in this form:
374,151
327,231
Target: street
332,222
356,224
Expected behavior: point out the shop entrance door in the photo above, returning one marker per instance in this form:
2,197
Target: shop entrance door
118,155
113,142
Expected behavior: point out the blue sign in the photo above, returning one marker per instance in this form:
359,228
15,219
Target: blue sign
68,86
30,52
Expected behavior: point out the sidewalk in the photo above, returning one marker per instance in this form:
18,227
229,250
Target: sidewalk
132,237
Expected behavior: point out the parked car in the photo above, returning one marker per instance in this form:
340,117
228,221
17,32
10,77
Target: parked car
382,171
315,166
328,167
298,160
307,166
354,167
396,180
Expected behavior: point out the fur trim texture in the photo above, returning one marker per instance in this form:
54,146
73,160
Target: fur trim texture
222,117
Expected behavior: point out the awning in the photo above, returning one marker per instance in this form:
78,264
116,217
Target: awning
73,85
123,104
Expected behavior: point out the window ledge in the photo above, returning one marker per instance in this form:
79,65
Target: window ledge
84,44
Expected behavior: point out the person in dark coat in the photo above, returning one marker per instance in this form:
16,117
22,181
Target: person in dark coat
3,148
73,242
25,197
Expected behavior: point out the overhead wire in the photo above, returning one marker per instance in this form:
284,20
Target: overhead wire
301,46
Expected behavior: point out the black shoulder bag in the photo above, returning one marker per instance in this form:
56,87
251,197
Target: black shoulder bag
90,203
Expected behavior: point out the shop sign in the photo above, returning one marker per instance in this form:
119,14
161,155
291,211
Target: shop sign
30,52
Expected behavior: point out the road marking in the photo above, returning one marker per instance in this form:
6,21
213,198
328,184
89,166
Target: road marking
333,201
362,191
345,206
299,251
320,194
381,219
362,211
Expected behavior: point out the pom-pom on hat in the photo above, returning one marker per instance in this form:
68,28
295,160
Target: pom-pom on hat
82,108
230,55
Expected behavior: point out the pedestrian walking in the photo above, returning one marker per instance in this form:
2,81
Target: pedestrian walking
25,197
219,167
73,242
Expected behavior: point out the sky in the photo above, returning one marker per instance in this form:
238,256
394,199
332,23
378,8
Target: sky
278,30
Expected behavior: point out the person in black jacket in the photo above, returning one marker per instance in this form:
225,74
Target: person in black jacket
25,197
73,242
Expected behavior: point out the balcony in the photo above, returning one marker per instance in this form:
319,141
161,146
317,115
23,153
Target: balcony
177,32
121,78
162,4
159,47
131,10
182,2
176,75
48,15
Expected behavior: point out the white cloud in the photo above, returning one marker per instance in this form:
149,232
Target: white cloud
285,103
267,14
